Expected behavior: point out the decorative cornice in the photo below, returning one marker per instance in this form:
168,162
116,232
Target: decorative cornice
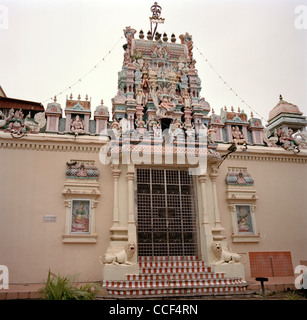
268,158
93,144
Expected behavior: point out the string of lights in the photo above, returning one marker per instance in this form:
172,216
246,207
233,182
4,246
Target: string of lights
230,88
86,74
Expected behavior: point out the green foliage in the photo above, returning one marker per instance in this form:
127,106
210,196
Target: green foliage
64,288
292,295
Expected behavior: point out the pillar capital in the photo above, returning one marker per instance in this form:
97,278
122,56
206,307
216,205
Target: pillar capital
203,178
115,172
130,176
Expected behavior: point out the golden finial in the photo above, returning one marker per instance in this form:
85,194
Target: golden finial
70,97
79,97
232,109
54,99
86,97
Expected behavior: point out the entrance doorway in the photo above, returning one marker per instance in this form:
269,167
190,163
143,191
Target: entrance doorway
166,213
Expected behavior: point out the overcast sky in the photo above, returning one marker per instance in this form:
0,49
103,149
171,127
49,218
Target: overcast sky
47,45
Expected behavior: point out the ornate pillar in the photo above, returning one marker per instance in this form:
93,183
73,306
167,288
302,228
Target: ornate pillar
216,231
118,233
206,231
131,217
132,236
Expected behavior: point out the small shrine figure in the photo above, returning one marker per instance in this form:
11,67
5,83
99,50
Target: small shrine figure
238,137
189,128
140,125
127,57
140,96
211,134
115,127
287,140
156,128
82,171
165,107
176,131
77,125
146,87
5,119
16,125
186,98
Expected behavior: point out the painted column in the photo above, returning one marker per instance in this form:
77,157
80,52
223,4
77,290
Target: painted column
131,217
132,236
217,220
119,233
206,231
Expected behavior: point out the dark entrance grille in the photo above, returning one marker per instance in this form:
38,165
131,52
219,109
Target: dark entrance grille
166,213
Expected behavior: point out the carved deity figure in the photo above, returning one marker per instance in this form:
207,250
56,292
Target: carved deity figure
189,128
238,137
156,129
140,96
77,125
82,171
175,130
146,87
115,127
165,107
287,140
6,119
16,125
186,98
211,134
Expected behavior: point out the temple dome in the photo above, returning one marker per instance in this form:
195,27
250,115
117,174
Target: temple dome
283,107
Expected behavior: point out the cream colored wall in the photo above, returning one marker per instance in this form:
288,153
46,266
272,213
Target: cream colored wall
33,179
32,185
281,216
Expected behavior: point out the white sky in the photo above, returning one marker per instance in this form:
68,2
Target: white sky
253,44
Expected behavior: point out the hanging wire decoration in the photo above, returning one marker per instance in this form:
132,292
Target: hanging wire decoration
155,18
86,74
230,88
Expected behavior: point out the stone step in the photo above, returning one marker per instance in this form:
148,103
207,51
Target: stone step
153,270
173,276
171,264
164,284
178,291
170,258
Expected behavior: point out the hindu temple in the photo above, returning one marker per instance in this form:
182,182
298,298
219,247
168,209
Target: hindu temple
156,194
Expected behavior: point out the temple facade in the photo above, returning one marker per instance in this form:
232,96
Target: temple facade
159,177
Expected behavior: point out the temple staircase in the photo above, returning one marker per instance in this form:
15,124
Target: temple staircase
174,276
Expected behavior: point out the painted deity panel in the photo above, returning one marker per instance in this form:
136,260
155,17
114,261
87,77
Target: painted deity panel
80,216
244,219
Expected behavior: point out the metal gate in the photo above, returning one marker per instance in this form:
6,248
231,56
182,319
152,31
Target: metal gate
166,213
